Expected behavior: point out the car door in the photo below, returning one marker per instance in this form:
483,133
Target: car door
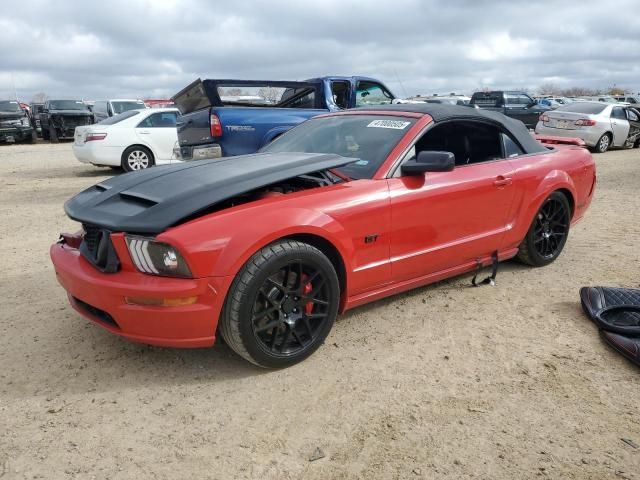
371,93
521,106
158,131
619,125
441,220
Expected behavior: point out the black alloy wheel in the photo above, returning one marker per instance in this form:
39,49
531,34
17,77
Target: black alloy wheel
548,232
281,305
290,309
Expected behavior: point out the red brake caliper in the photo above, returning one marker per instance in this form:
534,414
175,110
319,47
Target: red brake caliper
308,288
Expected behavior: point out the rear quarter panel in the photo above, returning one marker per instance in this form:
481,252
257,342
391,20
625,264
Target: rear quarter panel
244,129
247,129
568,168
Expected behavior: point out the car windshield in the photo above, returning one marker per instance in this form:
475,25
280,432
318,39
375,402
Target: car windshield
366,138
9,106
119,107
67,105
582,107
118,118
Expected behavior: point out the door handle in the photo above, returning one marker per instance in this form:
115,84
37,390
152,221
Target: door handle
143,131
501,181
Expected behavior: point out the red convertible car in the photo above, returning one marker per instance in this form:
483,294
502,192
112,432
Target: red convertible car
266,249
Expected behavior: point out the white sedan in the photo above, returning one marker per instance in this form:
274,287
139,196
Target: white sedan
133,140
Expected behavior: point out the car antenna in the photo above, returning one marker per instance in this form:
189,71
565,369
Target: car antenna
404,92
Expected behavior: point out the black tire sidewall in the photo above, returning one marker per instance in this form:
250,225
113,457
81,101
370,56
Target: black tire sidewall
249,341
53,135
537,259
125,154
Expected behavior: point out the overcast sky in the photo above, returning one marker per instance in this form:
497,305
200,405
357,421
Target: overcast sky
153,48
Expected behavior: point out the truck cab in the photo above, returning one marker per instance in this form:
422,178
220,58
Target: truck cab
15,124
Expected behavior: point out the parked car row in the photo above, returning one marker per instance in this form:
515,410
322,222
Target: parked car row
56,119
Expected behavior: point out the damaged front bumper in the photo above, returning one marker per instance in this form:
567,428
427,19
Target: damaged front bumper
13,134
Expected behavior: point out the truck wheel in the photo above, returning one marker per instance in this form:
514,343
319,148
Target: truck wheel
603,143
53,135
136,158
281,305
33,138
548,232
45,133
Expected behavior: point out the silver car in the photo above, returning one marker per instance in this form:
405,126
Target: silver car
600,125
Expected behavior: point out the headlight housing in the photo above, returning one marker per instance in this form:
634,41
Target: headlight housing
25,122
157,258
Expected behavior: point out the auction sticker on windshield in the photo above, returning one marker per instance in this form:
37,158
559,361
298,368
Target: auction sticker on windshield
395,124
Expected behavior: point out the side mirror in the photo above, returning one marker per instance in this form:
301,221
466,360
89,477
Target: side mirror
430,161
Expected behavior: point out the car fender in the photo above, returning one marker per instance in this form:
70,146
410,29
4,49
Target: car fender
213,254
554,180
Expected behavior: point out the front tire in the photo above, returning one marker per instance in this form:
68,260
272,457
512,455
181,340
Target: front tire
281,305
137,158
53,135
604,143
548,232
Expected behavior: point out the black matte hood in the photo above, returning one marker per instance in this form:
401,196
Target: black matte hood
6,116
150,201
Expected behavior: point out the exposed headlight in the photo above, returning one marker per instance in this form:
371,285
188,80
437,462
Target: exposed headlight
157,258
25,122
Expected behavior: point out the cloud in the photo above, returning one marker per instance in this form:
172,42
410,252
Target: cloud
71,48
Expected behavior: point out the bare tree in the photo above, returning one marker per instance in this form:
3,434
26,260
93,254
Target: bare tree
548,89
616,91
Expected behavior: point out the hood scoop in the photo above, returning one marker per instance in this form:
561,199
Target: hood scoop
150,201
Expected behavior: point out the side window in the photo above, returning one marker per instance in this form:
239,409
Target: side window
618,112
340,91
511,148
159,120
517,99
369,93
470,142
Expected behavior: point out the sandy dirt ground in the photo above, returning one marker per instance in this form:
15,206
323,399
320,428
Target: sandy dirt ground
444,382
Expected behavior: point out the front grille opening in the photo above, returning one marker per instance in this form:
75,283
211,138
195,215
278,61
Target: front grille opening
98,249
96,312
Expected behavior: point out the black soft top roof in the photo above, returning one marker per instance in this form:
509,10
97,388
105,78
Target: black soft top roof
441,112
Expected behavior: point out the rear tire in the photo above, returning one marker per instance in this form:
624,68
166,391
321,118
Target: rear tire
136,158
281,305
548,232
53,135
604,143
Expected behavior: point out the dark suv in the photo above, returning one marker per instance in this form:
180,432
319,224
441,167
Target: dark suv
59,118
513,104
15,124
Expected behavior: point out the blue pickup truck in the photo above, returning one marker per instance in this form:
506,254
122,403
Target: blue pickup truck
221,118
